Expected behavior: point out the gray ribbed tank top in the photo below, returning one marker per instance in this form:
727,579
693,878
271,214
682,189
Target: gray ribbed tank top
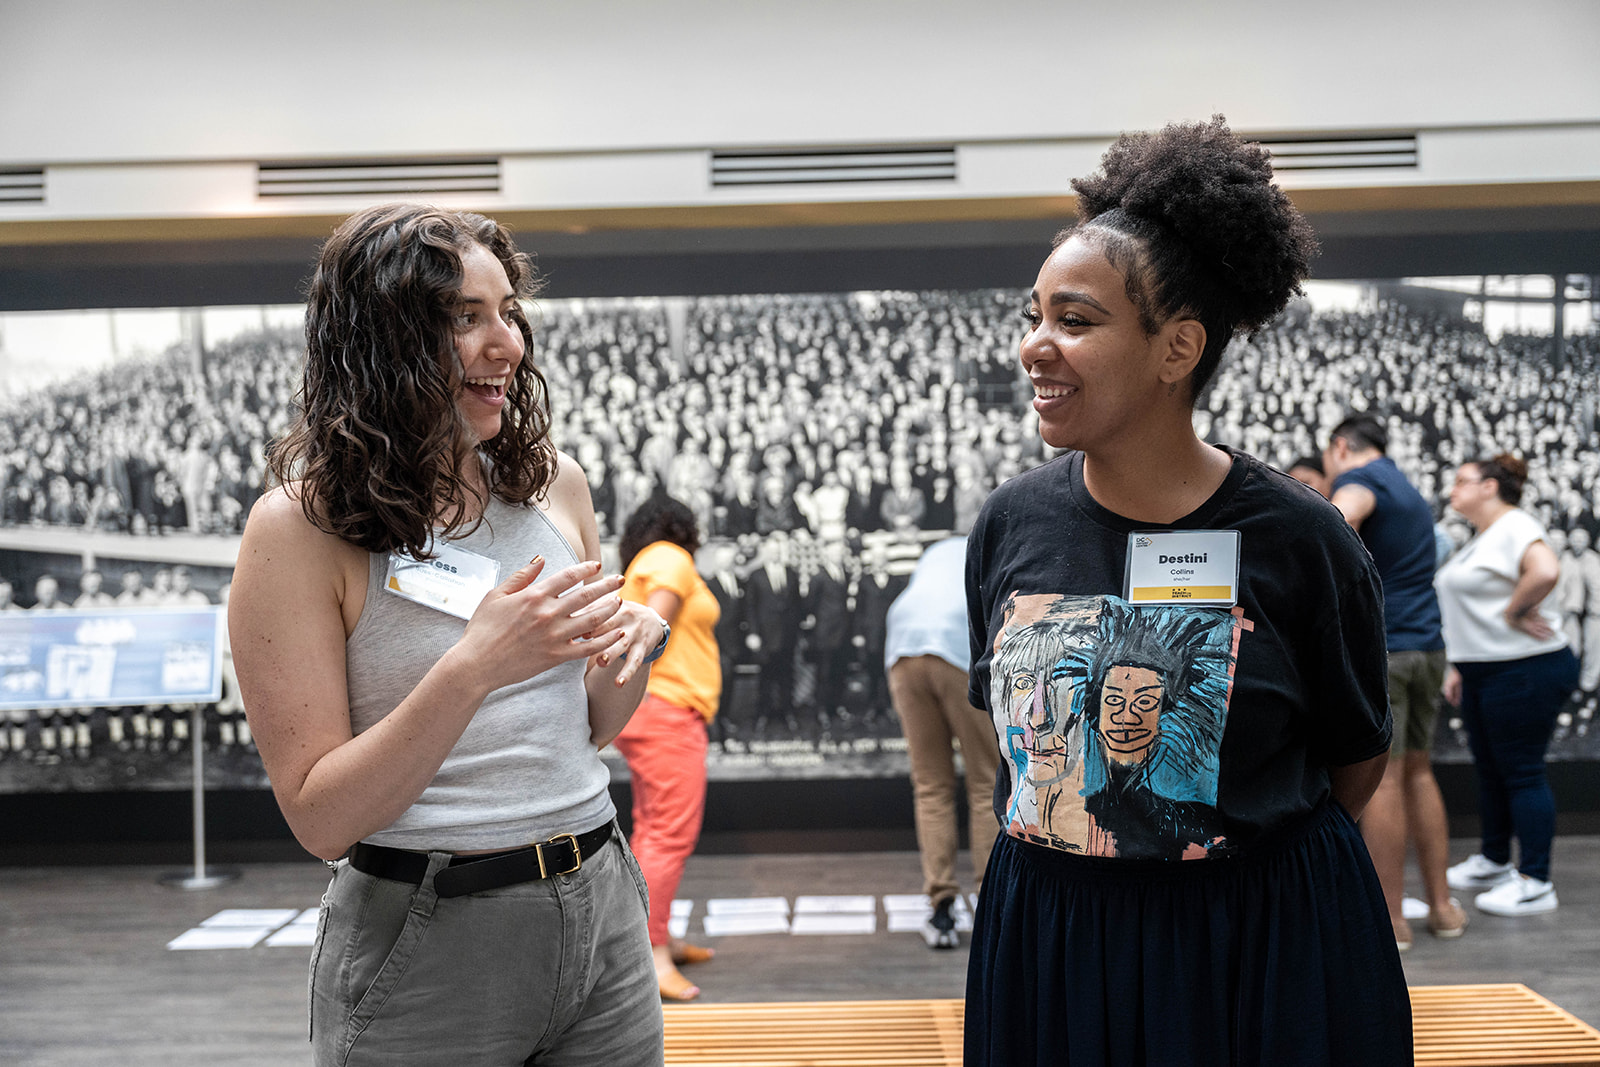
524,768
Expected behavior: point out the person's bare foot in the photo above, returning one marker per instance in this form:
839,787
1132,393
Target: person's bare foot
1448,922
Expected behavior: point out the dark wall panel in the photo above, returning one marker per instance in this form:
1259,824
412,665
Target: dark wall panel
700,262
865,814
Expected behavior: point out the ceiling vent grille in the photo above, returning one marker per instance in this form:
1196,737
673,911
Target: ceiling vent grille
1342,153
843,167
378,178
21,185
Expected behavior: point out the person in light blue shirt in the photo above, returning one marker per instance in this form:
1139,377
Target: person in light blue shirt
926,655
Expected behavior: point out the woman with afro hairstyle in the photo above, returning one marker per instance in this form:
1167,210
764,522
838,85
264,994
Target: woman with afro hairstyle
1196,891
430,660
665,742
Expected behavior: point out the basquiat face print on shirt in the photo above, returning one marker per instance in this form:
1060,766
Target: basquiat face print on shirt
1111,717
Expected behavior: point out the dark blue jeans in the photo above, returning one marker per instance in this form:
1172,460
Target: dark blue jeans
1510,707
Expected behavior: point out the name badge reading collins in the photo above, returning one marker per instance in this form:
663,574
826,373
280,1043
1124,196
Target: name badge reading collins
454,581
1183,567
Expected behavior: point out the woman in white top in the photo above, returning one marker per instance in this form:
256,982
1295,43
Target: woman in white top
430,660
1510,670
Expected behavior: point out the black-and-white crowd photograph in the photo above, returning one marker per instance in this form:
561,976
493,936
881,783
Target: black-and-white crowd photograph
776,534
821,440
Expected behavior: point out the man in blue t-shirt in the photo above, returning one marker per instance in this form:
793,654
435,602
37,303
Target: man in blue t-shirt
1396,525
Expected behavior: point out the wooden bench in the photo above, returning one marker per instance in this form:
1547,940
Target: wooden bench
1495,1025
1455,1026
838,1033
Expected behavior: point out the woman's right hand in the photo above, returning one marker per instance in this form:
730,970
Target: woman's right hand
525,626
1451,689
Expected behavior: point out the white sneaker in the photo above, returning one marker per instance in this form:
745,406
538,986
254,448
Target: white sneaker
1518,895
1476,872
939,931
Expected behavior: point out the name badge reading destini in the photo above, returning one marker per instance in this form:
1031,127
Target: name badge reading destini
454,581
1183,567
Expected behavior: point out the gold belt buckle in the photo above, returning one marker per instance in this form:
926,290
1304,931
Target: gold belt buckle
577,856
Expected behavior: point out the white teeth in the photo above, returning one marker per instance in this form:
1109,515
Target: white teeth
1049,392
496,382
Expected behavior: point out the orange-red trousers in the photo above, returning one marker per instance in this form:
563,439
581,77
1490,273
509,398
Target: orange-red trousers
665,746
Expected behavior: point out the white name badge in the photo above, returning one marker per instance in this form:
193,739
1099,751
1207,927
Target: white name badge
454,581
1183,567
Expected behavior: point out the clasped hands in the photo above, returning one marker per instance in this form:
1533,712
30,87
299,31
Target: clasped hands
532,622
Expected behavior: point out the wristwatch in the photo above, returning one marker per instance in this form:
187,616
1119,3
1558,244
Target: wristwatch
666,632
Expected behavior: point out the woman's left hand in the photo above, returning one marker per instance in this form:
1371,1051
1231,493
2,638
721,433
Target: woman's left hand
1537,574
1531,623
641,629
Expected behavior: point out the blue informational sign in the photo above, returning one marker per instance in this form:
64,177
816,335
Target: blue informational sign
107,657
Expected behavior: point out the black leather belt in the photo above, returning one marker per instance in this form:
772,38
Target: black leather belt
562,854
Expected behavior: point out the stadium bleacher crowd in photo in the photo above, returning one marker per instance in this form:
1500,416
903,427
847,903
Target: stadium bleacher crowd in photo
823,440
150,447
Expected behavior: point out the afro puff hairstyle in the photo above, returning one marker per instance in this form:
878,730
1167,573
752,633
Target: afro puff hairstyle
659,518
1191,218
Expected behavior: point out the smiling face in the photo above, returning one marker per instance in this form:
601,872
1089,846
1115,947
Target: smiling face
1130,712
488,340
1096,375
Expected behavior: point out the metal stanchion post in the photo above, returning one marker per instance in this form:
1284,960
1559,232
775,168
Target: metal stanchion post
201,878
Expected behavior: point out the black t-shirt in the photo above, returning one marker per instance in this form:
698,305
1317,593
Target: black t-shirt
1170,731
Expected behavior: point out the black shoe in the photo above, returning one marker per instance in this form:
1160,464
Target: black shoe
940,929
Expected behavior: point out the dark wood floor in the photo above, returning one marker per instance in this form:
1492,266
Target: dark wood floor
86,978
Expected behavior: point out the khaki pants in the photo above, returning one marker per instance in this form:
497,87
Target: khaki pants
1414,681
930,696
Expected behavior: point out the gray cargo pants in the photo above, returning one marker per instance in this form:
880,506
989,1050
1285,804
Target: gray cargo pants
553,972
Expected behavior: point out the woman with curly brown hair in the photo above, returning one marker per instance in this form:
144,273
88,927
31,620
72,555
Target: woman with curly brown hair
1190,886
430,660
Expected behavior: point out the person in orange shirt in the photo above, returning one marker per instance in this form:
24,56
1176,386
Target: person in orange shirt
665,741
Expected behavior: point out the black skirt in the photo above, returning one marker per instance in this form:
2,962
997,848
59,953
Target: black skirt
1281,957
